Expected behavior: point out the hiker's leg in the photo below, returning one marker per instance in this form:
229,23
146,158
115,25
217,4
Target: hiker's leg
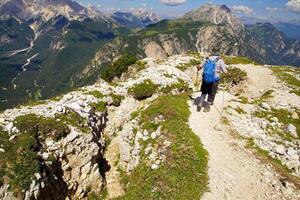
212,95
202,99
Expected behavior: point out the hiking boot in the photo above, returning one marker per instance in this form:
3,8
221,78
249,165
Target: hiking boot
206,109
199,108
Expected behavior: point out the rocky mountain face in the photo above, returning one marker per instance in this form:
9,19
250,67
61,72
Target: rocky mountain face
37,42
136,18
43,54
46,9
211,29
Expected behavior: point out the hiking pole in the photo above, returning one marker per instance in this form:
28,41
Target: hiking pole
196,86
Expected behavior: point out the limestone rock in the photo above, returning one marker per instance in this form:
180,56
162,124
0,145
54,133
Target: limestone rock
291,129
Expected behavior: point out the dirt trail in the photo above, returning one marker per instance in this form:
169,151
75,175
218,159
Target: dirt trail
234,172
114,186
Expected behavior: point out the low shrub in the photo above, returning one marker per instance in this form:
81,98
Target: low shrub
143,90
96,94
185,66
100,106
233,77
117,99
118,67
232,60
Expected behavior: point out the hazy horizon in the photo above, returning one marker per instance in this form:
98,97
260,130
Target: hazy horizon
263,9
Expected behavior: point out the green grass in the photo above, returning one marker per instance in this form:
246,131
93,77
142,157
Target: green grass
192,63
140,65
117,99
264,97
184,173
232,60
118,67
284,74
96,94
143,90
196,55
240,110
99,106
102,196
233,77
284,116
75,120
180,86
20,161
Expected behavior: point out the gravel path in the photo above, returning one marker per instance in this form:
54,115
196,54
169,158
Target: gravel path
114,187
234,172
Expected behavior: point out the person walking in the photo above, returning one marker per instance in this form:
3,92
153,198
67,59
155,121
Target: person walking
213,67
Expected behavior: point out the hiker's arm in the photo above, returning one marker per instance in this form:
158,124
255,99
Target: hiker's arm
199,67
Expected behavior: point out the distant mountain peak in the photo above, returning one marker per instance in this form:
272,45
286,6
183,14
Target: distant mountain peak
136,18
46,9
216,14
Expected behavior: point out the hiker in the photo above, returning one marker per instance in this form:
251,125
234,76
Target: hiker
213,67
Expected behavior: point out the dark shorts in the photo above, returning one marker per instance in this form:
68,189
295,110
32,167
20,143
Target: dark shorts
210,89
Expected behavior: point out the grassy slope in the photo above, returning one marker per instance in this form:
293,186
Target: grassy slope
184,174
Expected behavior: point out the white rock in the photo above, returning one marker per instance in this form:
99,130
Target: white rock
153,135
71,137
37,176
145,138
49,143
45,156
12,137
274,119
292,130
265,106
59,109
295,116
9,126
218,127
279,149
2,150
154,166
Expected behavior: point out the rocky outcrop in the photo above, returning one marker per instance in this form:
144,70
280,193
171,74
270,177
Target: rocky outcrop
216,15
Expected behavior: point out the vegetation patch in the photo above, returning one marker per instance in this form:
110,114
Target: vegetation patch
240,110
181,86
118,67
232,60
185,66
264,97
140,65
233,77
75,120
196,55
96,94
284,117
99,106
285,74
94,196
20,160
184,173
117,99
143,90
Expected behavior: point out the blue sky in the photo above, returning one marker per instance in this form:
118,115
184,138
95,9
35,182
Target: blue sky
282,9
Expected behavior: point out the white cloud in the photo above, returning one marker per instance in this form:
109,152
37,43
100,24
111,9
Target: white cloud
173,2
293,5
272,9
241,9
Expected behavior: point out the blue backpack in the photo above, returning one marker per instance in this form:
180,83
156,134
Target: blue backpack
209,73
